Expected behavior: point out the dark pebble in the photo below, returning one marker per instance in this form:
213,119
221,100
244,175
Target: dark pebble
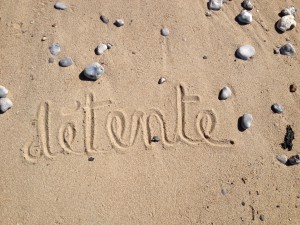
205,57
104,19
91,159
293,88
155,139
262,217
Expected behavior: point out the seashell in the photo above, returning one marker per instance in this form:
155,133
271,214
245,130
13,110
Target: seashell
5,104
3,92
286,23
55,49
93,71
245,52
65,62
225,93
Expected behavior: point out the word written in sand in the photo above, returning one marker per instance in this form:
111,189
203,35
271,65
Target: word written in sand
121,131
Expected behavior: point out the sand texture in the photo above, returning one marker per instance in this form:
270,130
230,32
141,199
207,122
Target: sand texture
75,151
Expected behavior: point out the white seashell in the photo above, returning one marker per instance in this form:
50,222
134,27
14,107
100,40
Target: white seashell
245,52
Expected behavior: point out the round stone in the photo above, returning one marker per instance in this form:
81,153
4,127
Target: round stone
246,121
5,104
162,80
286,23
287,49
245,17
101,49
3,92
119,23
215,4
65,62
282,158
104,19
245,52
55,49
247,4
165,31
293,88
225,93
60,6
93,71
277,108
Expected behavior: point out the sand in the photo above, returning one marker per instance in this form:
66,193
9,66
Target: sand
78,152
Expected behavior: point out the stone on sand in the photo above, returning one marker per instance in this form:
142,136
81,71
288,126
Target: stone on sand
3,91
93,71
245,52
5,104
246,121
286,23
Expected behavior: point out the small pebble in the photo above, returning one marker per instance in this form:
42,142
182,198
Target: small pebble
287,49
262,217
245,52
286,23
276,108
204,57
65,62
109,46
51,60
289,11
215,4
225,93
164,31
282,158
162,80
208,14
60,6
44,38
101,49
276,51
119,23
55,49
5,104
292,160
54,25
245,17
247,4
246,121
3,91
155,139
104,19
91,159
93,71
293,88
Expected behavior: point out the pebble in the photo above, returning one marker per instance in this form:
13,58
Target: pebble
155,139
245,17
101,49
165,31
276,51
277,108
3,91
289,11
262,217
44,38
51,60
208,14
247,4
293,88
93,71
119,23
55,49
91,159
65,62
292,160
5,104
205,57
225,93
287,49
245,52
162,80
286,23
215,4
104,19
109,46
60,6
282,158
246,121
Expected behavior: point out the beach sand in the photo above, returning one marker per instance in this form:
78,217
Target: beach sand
75,151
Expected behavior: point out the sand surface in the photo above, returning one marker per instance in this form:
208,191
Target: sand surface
203,171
